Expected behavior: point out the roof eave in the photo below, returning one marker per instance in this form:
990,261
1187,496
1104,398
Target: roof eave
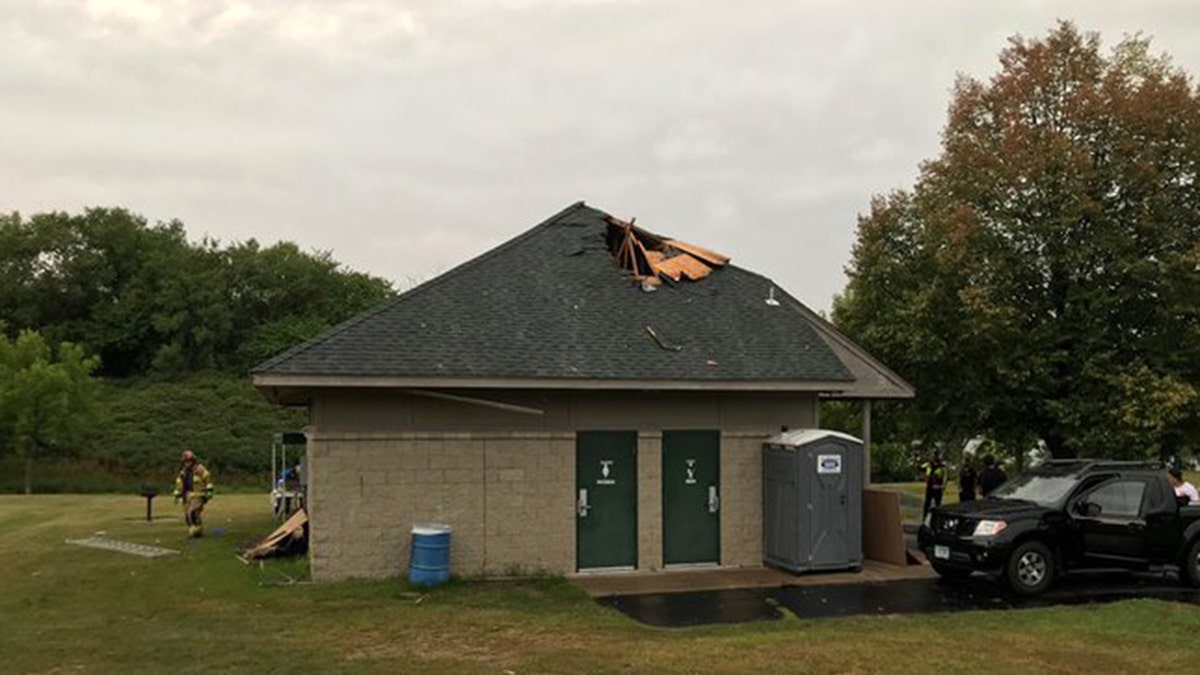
275,381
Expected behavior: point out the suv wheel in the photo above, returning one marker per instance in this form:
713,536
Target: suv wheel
1030,568
1191,564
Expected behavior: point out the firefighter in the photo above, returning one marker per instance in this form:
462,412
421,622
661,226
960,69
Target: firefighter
193,486
935,481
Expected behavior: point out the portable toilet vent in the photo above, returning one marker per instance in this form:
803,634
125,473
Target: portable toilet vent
812,501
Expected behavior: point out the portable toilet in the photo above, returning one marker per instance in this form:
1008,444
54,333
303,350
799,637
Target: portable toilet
812,501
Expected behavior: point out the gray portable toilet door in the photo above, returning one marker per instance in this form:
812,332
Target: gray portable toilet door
829,469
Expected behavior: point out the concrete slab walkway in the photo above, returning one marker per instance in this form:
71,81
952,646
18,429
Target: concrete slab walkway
905,596
600,585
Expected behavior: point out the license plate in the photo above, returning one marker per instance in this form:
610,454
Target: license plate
941,552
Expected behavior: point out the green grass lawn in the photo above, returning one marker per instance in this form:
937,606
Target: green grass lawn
67,609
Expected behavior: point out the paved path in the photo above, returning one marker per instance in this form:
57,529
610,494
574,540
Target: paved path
905,596
129,547
712,578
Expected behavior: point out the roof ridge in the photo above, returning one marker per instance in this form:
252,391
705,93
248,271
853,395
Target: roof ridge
342,327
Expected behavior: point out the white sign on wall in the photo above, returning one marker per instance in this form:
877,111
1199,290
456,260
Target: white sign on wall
829,463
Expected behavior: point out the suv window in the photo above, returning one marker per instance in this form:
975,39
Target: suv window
1120,499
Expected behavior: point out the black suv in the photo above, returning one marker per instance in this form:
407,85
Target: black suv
1066,515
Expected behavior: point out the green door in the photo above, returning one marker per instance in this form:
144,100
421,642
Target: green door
691,484
606,499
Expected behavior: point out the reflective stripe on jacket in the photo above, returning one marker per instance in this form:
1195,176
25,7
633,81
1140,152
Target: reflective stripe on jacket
935,475
201,483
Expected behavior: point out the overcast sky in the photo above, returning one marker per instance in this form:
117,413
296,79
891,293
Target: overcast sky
406,137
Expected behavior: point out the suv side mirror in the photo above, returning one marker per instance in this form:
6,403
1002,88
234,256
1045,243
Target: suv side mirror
1089,509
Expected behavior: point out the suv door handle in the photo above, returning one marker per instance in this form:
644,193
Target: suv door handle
1137,527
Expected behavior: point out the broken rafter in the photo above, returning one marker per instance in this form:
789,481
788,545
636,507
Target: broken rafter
487,403
711,257
648,256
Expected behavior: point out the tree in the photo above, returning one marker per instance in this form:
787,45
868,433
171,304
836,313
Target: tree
146,300
1041,280
46,398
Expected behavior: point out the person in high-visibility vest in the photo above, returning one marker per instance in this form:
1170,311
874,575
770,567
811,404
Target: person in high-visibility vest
935,481
193,486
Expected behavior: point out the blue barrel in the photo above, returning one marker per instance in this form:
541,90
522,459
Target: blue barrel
429,555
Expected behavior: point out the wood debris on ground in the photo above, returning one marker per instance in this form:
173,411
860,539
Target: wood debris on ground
288,537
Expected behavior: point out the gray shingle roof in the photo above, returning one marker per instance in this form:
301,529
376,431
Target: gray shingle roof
551,304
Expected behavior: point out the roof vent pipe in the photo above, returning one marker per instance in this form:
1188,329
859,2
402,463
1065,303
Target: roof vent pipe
771,298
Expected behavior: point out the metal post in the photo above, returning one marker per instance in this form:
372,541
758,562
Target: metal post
866,439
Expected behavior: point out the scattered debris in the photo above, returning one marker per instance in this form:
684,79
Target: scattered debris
290,538
650,259
123,547
670,348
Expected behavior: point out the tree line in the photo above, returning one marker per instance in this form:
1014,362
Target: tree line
1040,282
145,300
105,294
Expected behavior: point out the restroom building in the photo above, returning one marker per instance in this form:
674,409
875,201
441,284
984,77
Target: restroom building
586,396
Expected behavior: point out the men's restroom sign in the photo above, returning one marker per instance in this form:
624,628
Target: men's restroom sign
690,478
829,463
607,476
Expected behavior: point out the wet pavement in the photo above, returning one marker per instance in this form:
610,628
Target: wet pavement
912,596
697,608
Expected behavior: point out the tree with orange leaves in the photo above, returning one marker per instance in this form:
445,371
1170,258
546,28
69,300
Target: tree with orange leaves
1041,280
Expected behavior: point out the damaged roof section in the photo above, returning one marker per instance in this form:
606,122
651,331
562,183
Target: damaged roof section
547,309
650,259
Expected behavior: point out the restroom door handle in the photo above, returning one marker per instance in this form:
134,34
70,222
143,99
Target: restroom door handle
714,502
581,504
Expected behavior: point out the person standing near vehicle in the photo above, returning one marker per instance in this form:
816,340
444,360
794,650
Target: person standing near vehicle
991,477
935,481
966,482
193,486
1182,487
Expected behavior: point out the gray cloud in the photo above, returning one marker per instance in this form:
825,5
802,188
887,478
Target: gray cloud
407,137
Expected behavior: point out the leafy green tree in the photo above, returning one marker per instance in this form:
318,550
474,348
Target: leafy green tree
1041,280
281,296
148,301
46,398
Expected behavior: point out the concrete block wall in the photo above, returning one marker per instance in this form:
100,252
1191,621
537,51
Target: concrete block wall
508,497
529,505
650,550
741,499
